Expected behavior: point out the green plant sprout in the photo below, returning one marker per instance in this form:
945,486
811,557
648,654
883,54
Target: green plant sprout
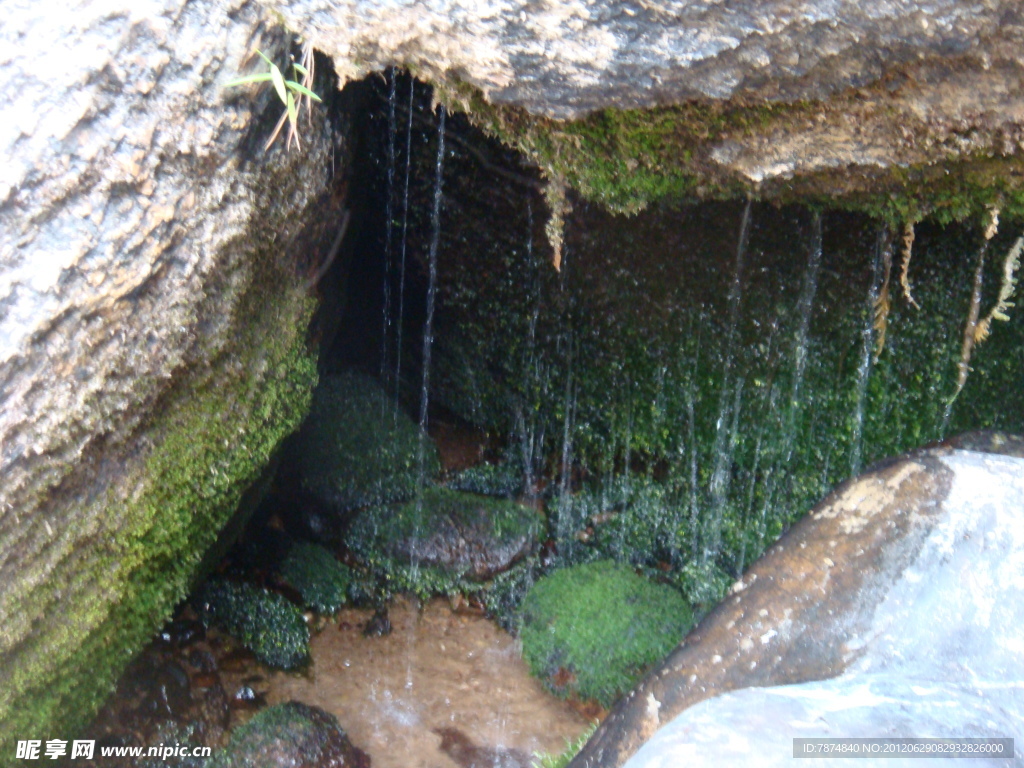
286,90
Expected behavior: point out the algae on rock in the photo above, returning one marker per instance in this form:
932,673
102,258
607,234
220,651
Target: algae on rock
264,622
443,542
357,447
592,630
324,583
290,734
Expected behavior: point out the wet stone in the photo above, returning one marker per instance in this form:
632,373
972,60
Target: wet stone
291,734
461,749
458,533
183,632
164,697
202,660
378,626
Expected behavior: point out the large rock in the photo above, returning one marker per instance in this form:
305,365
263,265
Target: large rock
866,84
154,300
564,59
893,609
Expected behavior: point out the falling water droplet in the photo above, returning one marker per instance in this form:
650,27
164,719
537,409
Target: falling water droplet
723,452
385,369
428,324
882,242
405,230
805,307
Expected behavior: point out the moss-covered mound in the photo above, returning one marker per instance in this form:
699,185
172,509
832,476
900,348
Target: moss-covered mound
445,541
324,583
358,448
592,630
504,479
264,622
290,734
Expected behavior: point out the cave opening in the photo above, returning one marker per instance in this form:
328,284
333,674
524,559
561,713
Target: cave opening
663,393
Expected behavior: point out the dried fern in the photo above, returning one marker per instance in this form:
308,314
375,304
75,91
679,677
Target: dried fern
1006,290
974,310
558,204
908,251
882,302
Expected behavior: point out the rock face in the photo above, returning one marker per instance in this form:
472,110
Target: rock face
564,59
156,264
897,83
893,609
154,297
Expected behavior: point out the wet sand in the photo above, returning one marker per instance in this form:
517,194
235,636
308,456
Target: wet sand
437,669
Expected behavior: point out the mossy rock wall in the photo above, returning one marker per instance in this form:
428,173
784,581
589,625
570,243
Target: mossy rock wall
683,400
178,360
741,388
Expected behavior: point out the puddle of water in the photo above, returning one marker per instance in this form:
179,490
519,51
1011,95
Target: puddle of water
437,669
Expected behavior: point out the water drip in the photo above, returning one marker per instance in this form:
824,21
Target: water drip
388,226
527,428
405,232
720,480
805,307
428,325
723,434
882,244
691,440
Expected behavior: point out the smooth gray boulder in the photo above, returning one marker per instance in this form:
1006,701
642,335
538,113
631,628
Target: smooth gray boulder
893,610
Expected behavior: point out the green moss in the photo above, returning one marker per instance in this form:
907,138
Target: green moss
563,758
592,630
358,448
626,159
324,583
504,479
263,621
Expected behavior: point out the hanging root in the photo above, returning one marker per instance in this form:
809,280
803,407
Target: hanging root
882,301
1006,289
908,250
971,327
558,204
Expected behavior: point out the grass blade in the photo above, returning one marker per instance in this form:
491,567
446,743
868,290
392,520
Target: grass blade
260,78
278,79
302,89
